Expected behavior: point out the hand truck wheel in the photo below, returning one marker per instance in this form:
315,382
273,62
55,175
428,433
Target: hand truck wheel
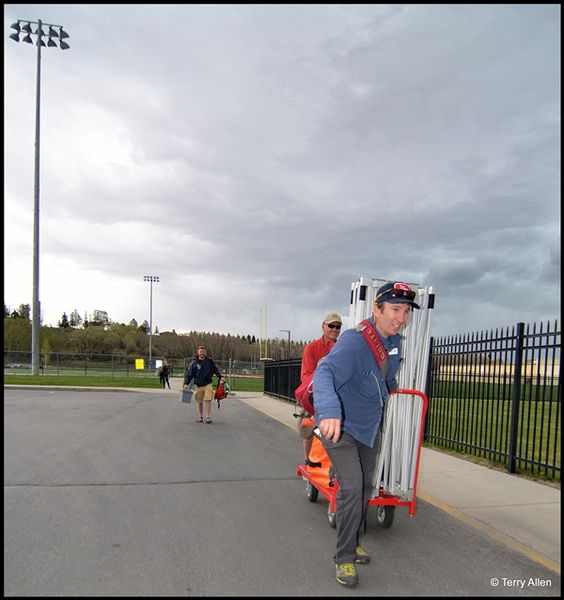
385,515
331,517
311,492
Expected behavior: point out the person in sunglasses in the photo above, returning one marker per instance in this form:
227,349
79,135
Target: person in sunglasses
351,391
312,354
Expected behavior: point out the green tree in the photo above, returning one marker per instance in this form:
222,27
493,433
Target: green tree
17,334
75,319
24,311
100,318
64,322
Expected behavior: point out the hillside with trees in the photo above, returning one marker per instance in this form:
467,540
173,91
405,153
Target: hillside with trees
98,334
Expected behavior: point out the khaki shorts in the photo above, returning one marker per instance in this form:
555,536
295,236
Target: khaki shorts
203,392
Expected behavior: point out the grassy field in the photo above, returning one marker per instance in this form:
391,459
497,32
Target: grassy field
241,384
482,428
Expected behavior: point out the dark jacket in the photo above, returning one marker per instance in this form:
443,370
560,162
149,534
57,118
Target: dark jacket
201,372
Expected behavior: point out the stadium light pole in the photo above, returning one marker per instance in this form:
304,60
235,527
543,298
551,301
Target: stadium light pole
151,279
288,331
52,35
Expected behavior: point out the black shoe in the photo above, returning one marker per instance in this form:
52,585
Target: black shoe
309,463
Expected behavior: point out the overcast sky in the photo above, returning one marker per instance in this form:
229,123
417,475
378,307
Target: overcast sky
256,155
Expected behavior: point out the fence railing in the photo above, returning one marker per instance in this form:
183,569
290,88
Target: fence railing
492,394
282,377
496,395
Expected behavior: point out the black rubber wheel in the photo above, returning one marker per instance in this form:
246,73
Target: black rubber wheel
311,492
385,515
331,517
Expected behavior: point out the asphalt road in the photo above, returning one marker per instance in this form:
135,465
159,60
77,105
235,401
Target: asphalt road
124,494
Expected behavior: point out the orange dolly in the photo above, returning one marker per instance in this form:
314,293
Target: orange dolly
320,480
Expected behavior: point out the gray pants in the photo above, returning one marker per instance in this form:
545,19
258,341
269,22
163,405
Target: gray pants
354,467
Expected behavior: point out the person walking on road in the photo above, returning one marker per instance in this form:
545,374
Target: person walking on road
201,372
312,354
351,391
164,374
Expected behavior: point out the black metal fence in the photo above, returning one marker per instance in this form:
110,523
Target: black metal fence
495,395
282,377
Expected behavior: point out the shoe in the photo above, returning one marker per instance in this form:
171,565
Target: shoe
346,574
199,420
362,556
208,420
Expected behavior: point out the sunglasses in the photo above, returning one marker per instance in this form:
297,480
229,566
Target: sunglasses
333,325
400,290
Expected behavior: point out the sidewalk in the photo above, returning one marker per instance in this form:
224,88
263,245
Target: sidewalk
519,513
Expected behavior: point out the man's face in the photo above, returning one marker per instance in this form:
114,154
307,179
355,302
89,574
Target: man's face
391,318
201,353
331,331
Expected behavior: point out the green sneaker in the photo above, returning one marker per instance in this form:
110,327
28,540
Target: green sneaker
346,574
362,556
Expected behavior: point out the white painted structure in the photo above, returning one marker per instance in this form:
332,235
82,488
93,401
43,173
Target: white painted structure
398,443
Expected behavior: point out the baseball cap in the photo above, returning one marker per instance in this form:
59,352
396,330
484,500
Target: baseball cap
332,317
396,292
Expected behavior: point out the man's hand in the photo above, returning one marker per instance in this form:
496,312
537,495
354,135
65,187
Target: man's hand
331,429
185,386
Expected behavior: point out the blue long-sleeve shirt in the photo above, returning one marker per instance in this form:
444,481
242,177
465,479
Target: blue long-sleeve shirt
349,385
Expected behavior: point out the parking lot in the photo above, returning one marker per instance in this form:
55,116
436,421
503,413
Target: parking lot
123,493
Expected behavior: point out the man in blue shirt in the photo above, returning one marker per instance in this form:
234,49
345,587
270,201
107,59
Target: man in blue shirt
350,392
201,372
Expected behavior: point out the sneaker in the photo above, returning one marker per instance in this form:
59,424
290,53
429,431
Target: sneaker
199,420
346,574
362,556
208,420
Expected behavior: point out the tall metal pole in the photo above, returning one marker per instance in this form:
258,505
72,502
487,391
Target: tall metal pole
36,311
150,324
52,35
150,279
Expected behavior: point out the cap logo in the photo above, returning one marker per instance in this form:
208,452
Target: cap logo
402,286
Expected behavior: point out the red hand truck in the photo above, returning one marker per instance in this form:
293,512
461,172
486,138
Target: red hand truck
318,479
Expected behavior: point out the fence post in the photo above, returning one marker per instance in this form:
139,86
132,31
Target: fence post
517,361
428,386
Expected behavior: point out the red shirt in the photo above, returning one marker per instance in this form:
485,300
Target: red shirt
313,353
